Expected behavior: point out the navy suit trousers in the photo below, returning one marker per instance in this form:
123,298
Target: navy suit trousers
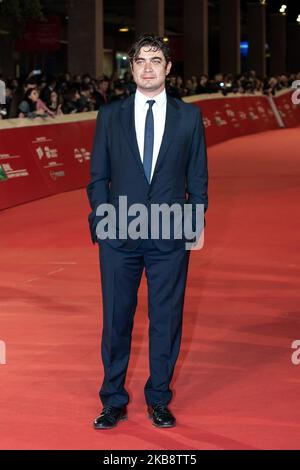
121,272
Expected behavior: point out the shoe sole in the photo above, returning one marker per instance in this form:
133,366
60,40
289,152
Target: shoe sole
124,418
161,426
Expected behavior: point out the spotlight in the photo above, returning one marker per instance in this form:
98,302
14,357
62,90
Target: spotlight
165,39
123,29
298,19
283,9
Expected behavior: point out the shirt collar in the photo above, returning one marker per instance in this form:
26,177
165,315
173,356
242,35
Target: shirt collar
142,99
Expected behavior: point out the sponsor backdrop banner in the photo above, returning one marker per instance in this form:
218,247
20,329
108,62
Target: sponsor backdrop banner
226,118
289,111
39,159
20,177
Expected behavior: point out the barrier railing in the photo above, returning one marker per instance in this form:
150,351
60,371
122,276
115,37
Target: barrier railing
42,157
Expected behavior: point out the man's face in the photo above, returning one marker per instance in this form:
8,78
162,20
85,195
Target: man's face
149,70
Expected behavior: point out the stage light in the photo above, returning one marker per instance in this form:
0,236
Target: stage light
298,19
283,9
166,39
124,29
244,48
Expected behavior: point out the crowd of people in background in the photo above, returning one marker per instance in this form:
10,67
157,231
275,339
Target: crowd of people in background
41,96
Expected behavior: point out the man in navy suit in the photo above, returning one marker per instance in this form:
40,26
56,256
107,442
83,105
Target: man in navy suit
149,148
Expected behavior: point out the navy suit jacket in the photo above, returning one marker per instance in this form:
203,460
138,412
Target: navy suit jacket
180,174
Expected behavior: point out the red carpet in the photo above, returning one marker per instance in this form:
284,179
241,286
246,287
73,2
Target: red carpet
235,385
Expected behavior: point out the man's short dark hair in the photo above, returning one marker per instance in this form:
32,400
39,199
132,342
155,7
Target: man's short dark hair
154,43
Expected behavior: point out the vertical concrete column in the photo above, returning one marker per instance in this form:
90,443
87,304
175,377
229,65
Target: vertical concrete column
230,36
278,42
195,24
149,17
7,65
293,53
85,37
7,52
257,37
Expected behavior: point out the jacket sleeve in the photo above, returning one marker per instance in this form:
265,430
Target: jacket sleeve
98,187
197,172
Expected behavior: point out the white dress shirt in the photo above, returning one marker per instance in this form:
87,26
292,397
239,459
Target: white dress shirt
159,109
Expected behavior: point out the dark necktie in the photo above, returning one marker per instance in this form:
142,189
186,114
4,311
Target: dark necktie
148,141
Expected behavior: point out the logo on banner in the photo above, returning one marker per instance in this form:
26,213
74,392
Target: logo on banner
46,152
3,175
206,122
260,109
7,172
230,113
81,155
219,120
57,174
243,115
252,114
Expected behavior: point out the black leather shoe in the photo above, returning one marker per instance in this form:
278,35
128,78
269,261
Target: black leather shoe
110,417
161,416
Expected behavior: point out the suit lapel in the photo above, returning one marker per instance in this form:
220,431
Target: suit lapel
128,124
